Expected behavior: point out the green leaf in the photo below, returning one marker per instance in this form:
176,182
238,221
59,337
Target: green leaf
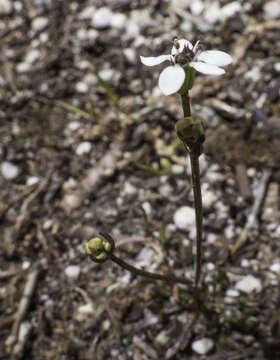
75,110
157,172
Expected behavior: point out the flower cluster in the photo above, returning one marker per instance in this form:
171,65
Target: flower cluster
184,55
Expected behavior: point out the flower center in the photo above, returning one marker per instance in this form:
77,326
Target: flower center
183,57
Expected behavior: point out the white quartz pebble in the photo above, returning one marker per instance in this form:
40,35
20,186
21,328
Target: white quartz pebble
9,171
72,271
83,148
249,284
202,346
184,217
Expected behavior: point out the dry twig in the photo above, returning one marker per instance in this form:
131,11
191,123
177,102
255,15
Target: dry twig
252,220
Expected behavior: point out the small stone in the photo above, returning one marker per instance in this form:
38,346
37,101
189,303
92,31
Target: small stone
102,18
196,7
231,9
177,169
83,148
74,125
87,13
86,309
71,202
39,23
32,56
180,4
23,330
162,338
129,189
118,20
32,180
6,7
23,67
277,66
130,54
106,74
9,171
72,271
184,217
147,207
213,13
272,10
82,87
202,346
249,284
232,293
253,74
275,268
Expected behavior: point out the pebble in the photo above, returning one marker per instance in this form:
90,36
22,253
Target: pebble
275,268
249,284
272,10
129,189
23,67
231,9
72,271
277,66
213,13
6,7
177,169
71,202
119,21
102,18
202,346
86,309
9,171
83,148
32,56
23,330
184,217
106,74
32,180
82,87
130,55
147,207
39,23
181,4
232,293
87,13
74,125
196,7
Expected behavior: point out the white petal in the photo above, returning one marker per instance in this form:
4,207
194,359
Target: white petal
207,69
182,43
171,79
215,57
152,61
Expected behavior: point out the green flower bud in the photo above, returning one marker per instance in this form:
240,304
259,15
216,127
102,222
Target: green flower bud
101,256
189,130
106,245
94,246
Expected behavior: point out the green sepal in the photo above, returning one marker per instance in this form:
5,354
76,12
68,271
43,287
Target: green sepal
189,130
189,80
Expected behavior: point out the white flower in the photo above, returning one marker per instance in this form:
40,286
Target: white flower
183,53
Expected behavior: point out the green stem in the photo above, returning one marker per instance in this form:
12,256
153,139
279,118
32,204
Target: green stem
195,152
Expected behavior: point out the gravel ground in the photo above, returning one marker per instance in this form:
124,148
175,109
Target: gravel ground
87,144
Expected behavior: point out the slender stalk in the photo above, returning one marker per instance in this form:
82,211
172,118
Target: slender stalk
154,276
195,152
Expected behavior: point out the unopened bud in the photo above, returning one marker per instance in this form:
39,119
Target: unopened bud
94,246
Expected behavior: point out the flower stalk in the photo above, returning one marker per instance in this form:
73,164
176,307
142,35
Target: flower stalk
100,250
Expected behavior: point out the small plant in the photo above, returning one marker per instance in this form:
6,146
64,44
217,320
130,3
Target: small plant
178,78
